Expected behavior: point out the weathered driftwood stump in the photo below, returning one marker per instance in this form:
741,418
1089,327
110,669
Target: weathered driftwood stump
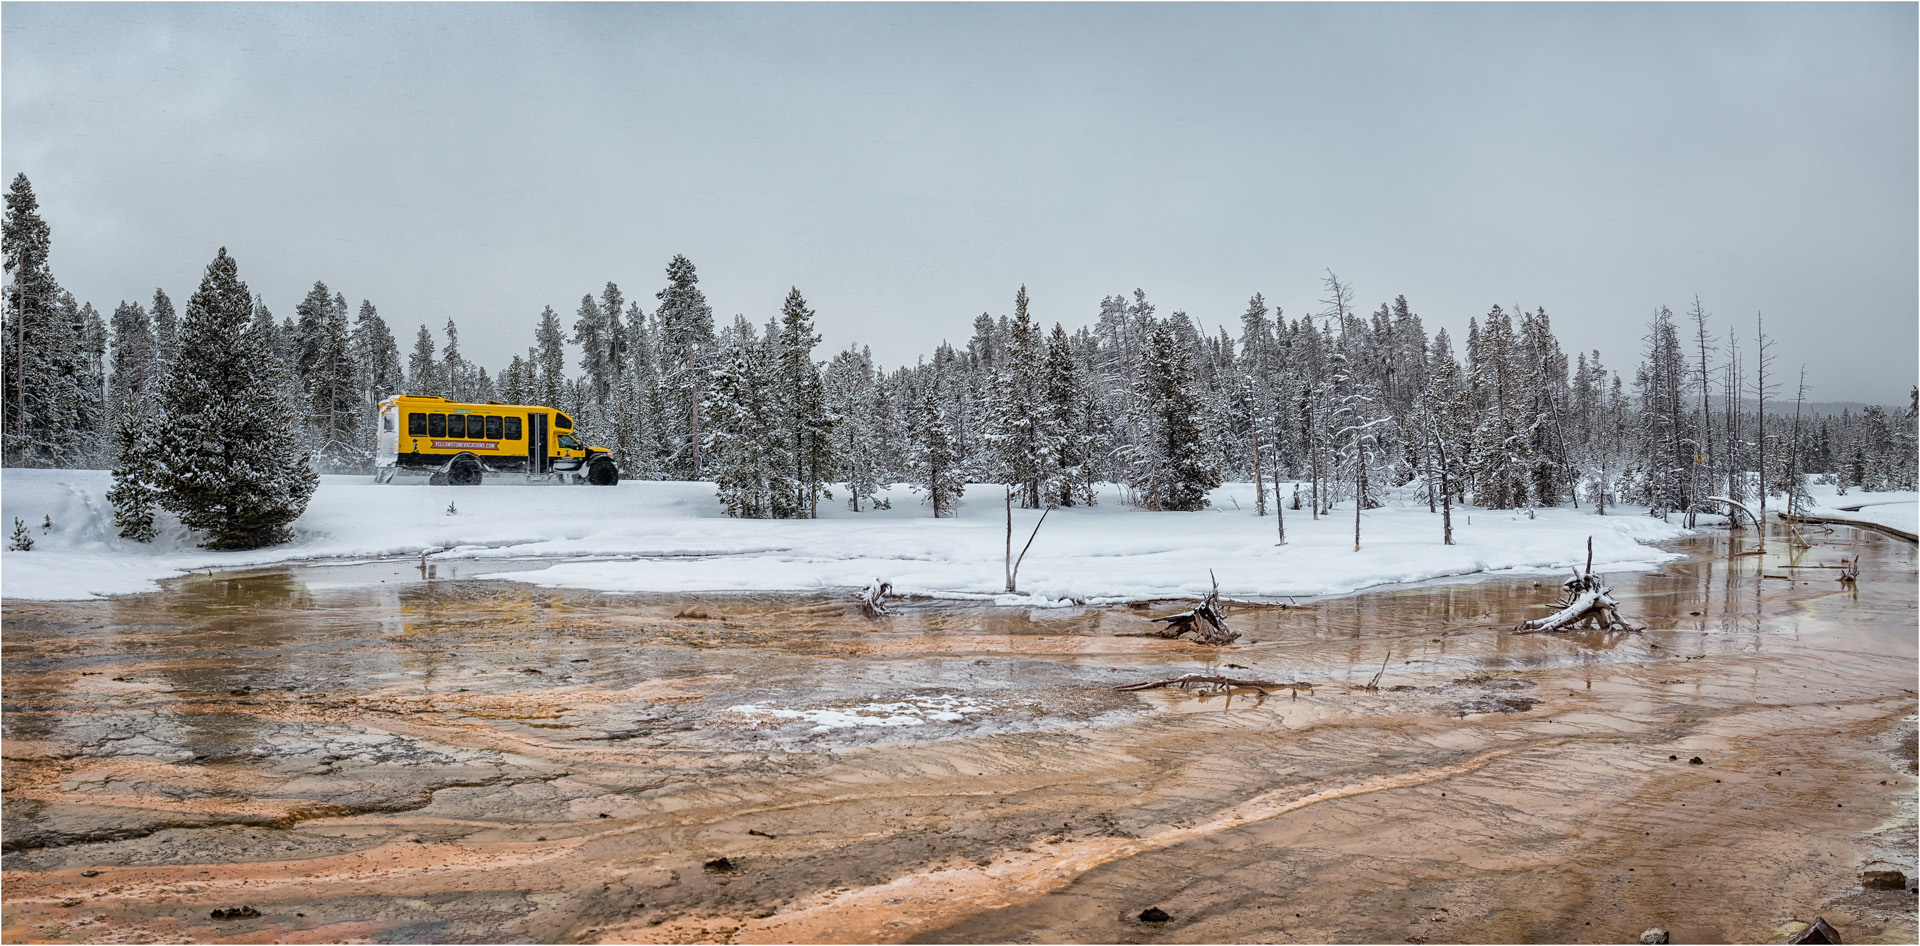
1207,623
873,598
1584,601
1849,570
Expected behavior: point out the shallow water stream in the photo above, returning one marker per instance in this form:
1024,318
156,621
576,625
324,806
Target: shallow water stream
371,753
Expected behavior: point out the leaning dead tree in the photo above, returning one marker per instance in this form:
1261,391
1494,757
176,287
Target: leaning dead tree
1849,570
1215,684
1207,622
1583,601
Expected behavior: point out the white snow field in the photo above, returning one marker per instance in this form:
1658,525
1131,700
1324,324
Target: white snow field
1899,509
673,537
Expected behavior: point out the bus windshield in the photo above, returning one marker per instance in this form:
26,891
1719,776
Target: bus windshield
566,440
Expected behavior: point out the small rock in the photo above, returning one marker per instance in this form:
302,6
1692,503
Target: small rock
89,873
1877,880
1673,758
756,832
1695,761
1819,932
233,913
719,865
1154,915
1655,935
240,691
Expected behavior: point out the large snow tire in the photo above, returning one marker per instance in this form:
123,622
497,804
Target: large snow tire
602,472
465,471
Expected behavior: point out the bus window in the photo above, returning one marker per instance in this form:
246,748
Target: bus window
386,422
567,441
493,428
416,424
436,425
562,421
457,426
513,428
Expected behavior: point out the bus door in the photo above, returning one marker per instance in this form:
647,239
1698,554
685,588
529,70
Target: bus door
536,442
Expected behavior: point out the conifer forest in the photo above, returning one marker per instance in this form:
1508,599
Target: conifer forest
1343,396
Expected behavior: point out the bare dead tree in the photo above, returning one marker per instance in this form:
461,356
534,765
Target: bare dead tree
873,598
1215,684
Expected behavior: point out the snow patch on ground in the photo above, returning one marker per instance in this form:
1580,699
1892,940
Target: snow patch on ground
914,711
670,537
1898,508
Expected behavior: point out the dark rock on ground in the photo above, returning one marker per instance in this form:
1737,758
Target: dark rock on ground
1819,932
1154,915
1695,761
233,913
1884,880
1655,935
719,865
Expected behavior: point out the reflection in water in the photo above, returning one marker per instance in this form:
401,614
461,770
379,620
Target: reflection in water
402,756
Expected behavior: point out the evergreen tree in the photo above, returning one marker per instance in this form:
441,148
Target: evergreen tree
423,369
335,409
853,395
683,336
227,462
453,367
135,493
136,361
166,328
935,461
1019,432
42,419
549,357
377,372
1171,468
750,455
1072,425
1502,452
802,404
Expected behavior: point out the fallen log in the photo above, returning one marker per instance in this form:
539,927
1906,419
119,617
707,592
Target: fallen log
1215,683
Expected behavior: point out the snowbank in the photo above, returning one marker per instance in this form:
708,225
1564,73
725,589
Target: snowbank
1899,509
672,537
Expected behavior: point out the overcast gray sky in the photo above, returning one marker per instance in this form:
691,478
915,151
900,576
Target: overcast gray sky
910,166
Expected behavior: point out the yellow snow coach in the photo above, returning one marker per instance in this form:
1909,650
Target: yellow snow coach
461,443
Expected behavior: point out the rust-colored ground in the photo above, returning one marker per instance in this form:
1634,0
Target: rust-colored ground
468,761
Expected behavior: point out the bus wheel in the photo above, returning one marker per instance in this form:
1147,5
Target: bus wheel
602,472
464,472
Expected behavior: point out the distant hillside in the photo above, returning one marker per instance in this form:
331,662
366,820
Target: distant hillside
1784,406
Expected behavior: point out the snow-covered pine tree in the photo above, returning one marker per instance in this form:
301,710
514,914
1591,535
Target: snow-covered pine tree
42,397
683,340
1019,432
853,395
423,369
228,459
549,358
454,367
1172,467
166,328
1071,424
637,444
377,371
136,362
748,455
805,417
135,492
592,331
1502,442
1543,377
1666,450
935,462
335,410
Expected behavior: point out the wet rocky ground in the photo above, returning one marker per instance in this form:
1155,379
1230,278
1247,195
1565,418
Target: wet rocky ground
366,753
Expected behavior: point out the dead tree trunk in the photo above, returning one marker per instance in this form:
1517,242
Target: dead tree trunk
1584,601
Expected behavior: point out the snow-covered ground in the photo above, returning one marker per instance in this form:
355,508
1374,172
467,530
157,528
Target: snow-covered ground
673,537
1898,509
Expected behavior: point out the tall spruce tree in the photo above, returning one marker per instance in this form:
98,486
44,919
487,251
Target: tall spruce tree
1172,467
804,413
228,463
683,339
423,369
